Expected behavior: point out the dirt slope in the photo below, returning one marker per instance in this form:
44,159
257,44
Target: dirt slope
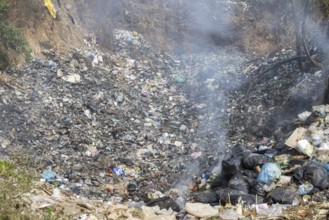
175,26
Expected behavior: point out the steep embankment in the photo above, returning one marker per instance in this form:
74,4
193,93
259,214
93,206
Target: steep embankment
176,26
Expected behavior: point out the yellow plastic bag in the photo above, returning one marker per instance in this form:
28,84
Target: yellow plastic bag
51,8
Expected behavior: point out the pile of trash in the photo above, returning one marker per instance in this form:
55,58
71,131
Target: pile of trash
136,127
117,127
264,175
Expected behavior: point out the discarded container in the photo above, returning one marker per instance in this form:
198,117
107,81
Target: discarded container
305,147
270,173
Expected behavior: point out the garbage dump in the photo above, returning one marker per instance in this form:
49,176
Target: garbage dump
252,178
139,133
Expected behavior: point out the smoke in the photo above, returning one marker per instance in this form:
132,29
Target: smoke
199,31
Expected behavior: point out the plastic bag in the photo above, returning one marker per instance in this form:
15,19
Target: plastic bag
250,173
251,160
313,173
51,8
239,184
219,181
200,210
232,196
232,166
305,147
258,189
283,195
164,203
207,197
305,189
271,172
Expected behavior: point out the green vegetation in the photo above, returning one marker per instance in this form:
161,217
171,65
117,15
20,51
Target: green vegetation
14,181
11,38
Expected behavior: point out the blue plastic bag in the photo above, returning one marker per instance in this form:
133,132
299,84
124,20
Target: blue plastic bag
271,172
118,171
49,175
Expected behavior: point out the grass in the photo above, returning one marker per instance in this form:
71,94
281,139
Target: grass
11,38
14,181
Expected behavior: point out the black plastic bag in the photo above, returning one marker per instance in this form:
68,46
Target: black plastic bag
313,173
250,173
219,181
207,197
164,203
283,195
231,166
251,160
232,196
238,150
239,183
258,189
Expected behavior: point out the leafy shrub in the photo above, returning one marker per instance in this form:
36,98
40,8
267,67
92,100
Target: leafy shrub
11,38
